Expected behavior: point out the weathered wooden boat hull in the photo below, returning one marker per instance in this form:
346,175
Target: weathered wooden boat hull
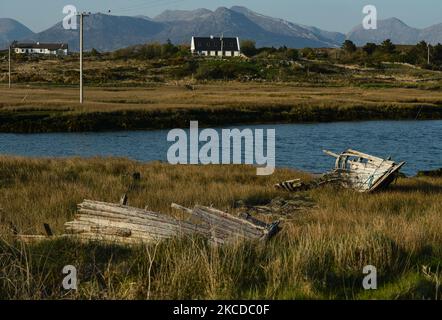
353,170
363,172
117,222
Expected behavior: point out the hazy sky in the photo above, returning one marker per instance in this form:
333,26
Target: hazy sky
333,15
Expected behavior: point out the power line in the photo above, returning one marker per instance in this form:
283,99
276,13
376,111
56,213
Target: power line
428,57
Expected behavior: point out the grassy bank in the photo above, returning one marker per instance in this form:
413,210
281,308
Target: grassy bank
319,254
50,109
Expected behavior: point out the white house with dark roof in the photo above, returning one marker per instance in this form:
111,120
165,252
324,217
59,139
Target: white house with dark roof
215,46
59,49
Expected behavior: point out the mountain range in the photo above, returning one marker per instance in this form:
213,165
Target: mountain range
11,29
397,31
110,32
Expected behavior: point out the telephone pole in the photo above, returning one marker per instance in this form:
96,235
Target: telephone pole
222,45
428,57
81,15
9,73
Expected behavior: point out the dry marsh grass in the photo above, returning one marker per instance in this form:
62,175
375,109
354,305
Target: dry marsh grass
210,96
319,254
46,109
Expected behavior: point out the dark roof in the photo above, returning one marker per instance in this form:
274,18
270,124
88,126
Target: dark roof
214,44
39,45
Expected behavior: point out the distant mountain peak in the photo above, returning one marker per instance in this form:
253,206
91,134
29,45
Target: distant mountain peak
182,15
11,30
394,19
240,9
396,30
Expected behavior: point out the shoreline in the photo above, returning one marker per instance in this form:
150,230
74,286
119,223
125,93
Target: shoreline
143,120
435,172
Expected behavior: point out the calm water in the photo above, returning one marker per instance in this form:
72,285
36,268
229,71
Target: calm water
297,145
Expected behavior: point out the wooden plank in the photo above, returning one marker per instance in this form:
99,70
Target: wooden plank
387,178
146,221
332,154
111,230
227,216
213,219
352,152
148,229
238,227
178,207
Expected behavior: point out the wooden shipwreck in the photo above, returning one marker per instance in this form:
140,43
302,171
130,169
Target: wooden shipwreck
363,172
121,223
354,170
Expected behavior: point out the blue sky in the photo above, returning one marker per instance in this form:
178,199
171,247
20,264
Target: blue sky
333,15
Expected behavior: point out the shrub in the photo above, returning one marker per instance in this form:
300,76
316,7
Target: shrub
226,69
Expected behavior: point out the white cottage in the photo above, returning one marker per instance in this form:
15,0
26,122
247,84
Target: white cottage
59,49
215,46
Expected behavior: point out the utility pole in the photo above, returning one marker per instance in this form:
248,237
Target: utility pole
428,57
9,73
222,45
81,15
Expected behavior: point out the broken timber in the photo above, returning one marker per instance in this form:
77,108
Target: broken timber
353,170
117,222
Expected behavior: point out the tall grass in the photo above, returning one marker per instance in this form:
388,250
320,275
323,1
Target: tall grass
319,254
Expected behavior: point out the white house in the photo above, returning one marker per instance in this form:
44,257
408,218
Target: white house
59,49
215,46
